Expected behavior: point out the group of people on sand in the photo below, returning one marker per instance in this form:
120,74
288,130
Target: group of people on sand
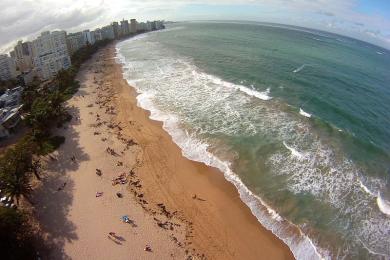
121,179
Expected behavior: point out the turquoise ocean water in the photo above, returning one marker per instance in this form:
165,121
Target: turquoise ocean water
298,120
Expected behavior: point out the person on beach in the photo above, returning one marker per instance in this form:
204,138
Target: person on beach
113,237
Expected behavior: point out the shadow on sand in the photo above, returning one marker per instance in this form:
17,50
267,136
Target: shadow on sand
54,196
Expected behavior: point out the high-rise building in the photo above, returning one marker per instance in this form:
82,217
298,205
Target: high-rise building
98,34
117,30
7,67
51,54
149,26
141,27
74,41
108,32
159,25
23,56
133,26
88,37
125,27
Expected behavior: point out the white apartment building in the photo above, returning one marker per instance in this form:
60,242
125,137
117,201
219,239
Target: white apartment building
108,32
133,26
117,30
141,26
74,41
7,67
149,26
98,35
23,55
159,25
50,54
124,27
88,37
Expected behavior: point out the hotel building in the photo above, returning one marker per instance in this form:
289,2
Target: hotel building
125,27
133,26
51,54
23,54
7,67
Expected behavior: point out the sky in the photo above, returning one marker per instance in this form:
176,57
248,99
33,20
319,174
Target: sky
368,20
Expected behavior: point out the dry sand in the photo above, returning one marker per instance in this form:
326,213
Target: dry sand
158,195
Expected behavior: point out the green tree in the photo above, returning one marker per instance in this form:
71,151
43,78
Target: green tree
15,235
30,93
15,168
65,79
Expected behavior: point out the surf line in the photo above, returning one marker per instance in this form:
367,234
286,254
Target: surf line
299,69
302,112
383,205
293,151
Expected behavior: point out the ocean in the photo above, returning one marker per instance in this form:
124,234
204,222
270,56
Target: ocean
297,119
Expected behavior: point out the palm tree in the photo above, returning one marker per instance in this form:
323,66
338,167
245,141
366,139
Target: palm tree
17,186
15,169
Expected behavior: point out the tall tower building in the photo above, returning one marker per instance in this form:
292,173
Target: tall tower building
133,25
23,56
125,27
7,67
51,54
117,30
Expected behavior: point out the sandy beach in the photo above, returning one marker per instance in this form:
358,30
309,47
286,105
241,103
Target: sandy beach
181,209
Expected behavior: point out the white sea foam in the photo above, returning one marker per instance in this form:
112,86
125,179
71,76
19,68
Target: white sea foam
299,69
380,53
331,179
302,246
192,148
293,151
265,95
304,113
383,205
177,93
367,190
261,95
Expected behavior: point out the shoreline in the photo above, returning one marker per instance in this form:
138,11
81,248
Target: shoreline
214,176
180,207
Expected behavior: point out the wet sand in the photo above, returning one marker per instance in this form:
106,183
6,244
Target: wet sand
181,208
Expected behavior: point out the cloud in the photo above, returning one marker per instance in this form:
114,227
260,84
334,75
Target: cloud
373,33
325,13
25,19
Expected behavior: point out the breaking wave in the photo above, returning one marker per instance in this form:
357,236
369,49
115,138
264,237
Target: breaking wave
299,69
303,113
192,148
293,151
179,94
383,205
